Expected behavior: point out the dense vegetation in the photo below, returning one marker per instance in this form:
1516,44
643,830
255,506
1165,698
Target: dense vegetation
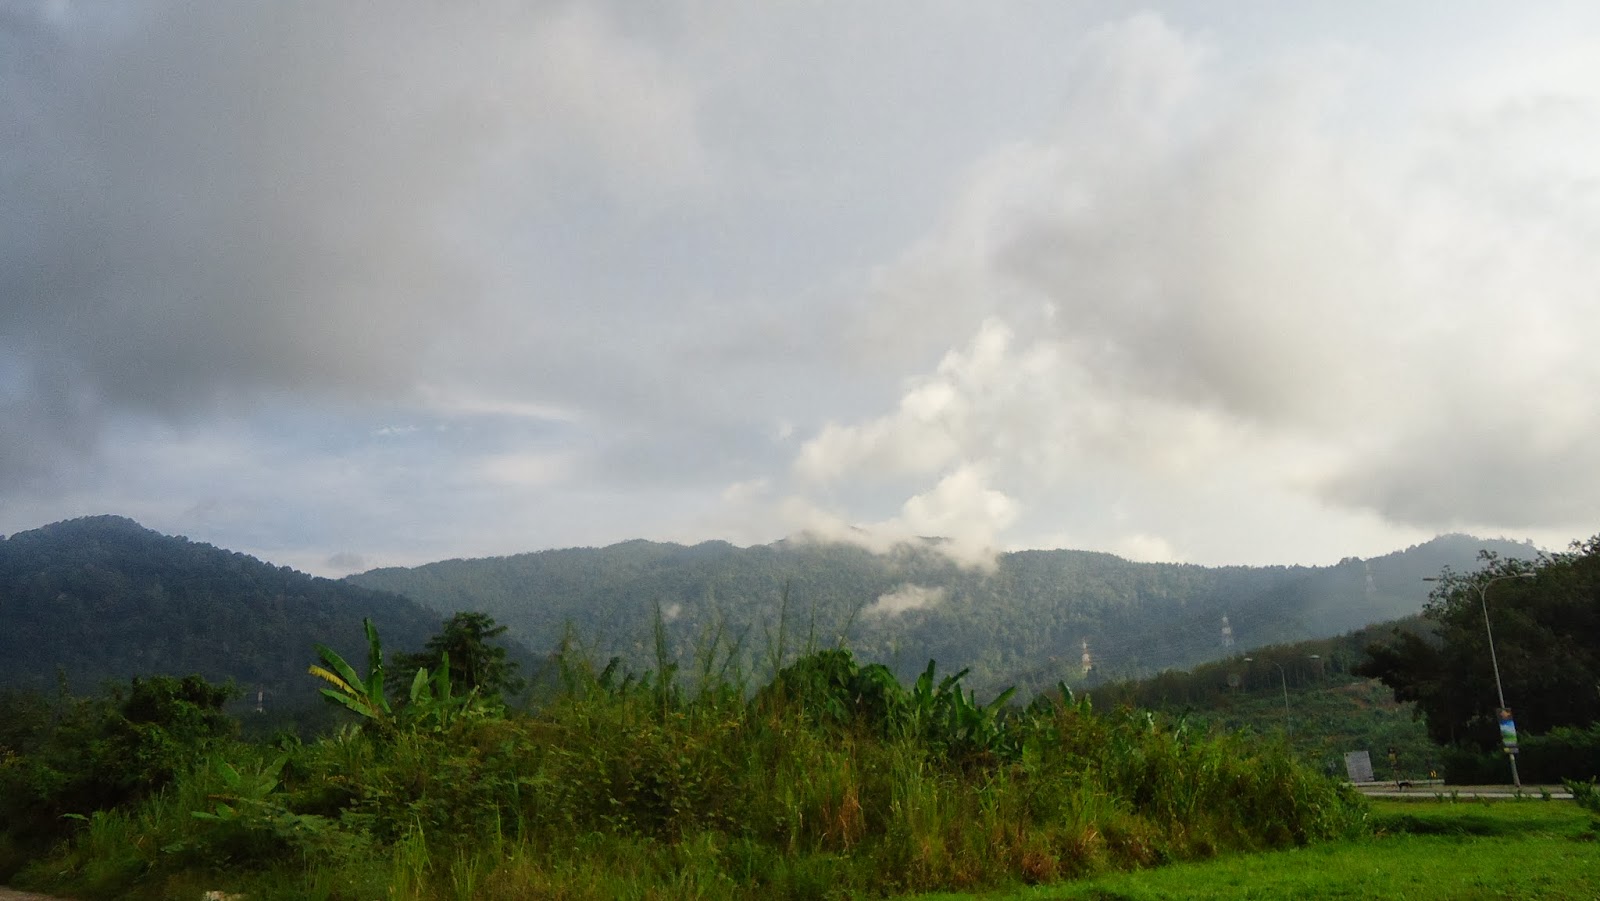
667,773
1545,616
103,598
833,778
1026,622
1308,691
1435,703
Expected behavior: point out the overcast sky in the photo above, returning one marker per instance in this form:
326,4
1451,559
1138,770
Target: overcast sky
348,285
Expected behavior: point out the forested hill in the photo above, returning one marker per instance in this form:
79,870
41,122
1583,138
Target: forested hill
1032,615
104,598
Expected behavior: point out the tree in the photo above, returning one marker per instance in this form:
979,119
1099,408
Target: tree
1546,639
474,664
97,753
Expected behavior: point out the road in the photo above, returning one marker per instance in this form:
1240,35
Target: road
1440,790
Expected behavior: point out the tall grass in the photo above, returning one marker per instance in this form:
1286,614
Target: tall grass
1526,850
827,782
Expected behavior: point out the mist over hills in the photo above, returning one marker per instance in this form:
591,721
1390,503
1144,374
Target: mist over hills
1030,619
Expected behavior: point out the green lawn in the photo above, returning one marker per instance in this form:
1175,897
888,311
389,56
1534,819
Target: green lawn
1422,850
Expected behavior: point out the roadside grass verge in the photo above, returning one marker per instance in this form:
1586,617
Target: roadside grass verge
1418,851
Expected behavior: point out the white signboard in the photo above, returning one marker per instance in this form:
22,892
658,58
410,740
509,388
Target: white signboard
1359,765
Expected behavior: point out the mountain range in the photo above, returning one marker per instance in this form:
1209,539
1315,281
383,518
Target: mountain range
104,598
1033,616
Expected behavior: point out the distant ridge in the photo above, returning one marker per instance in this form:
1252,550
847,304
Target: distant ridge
1037,613
103,598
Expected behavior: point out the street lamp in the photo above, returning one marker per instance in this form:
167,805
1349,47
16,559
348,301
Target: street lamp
1500,692
1285,677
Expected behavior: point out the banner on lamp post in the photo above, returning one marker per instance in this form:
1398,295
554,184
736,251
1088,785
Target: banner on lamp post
1508,730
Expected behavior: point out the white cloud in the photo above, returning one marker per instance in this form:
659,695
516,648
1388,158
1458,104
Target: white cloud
904,598
745,492
962,514
469,403
963,509
1218,272
1146,549
524,470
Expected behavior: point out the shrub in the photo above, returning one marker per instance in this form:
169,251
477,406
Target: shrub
109,751
833,779
1562,753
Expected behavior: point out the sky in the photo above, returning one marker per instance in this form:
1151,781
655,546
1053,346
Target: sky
344,285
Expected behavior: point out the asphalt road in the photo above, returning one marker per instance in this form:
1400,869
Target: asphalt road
1389,790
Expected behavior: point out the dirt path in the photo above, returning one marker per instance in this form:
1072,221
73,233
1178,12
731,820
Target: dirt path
8,894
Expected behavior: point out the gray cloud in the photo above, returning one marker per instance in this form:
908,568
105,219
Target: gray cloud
211,203
345,562
207,199
582,270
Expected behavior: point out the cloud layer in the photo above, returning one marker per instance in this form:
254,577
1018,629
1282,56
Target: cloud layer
1253,284
211,205
1214,270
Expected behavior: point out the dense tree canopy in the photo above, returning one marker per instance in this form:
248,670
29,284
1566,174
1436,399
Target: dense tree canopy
476,664
1545,617
1024,622
79,755
102,598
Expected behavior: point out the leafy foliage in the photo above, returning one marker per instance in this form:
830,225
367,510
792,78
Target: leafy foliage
1545,617
1564,753
832,778
1332,710
363,696
1586,794
464,647
98,753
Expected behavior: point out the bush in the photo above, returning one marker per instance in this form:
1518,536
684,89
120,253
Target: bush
105,752
1562,753
833,780
1565,753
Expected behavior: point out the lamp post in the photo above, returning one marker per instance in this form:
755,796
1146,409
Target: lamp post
1285,677
1494,660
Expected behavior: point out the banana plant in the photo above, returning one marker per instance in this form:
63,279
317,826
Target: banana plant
953,719
432,701
247,790
363,696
